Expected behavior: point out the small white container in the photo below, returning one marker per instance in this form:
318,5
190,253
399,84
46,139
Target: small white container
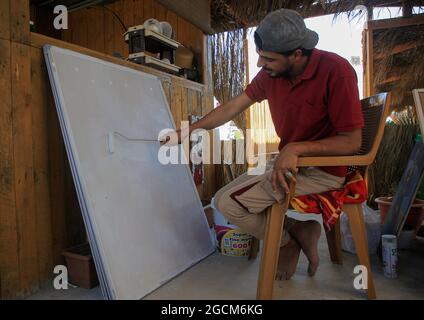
390,255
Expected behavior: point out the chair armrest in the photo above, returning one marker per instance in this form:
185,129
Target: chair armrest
330,161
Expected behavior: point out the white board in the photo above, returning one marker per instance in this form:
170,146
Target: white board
144,220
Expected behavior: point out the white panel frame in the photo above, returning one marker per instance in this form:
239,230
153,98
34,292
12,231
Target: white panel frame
98,250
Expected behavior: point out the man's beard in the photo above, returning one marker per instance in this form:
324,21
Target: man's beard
284,74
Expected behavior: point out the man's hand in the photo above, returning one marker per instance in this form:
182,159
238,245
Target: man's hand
285,167
173,138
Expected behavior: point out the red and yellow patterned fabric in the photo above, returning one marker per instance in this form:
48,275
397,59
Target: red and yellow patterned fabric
330,203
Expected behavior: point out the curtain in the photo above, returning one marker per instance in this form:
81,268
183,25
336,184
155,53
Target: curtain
229,80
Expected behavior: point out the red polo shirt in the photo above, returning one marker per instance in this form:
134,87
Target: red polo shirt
322,101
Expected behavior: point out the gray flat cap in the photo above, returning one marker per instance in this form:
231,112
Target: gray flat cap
284,30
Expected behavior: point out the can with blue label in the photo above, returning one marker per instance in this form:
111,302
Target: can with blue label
390,255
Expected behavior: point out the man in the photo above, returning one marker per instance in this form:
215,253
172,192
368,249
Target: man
314,103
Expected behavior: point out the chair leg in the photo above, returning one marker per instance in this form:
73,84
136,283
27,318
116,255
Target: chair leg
357,226
271,247
334,243
254,248
270,252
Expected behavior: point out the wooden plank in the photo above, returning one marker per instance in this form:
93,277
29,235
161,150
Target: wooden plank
90,15
5,20
44,22
24,166
128,13
67,33
75,229
128,18
108,36
148,9
176,103
19,21
83,26
138,12
39,90
79,30
38,40
207,66
204,103
118,30
95,29
9,257
184,104
395,22
369,71
190,95
57,169
182,31
56,154
195,104
172,18
159,11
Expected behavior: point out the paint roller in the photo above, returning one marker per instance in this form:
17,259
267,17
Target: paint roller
111,140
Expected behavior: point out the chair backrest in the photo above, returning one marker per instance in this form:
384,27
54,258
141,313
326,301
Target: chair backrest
375,109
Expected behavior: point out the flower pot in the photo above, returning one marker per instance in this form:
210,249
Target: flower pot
415,215
80,264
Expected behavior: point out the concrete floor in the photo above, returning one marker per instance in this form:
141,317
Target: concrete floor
223,277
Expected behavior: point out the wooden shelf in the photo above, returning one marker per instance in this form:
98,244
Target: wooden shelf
153,62
154,42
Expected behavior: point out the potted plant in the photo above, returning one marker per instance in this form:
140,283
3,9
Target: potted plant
415,216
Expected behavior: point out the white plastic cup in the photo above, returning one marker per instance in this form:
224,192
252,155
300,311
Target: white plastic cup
390,255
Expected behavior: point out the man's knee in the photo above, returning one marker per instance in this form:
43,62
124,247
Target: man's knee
229,208
222,202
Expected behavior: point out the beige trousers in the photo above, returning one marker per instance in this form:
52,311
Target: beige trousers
244,200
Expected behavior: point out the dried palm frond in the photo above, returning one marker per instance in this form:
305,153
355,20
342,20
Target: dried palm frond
405,68
229,74
392,157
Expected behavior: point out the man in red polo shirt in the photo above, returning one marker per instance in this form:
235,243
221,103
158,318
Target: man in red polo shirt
314,104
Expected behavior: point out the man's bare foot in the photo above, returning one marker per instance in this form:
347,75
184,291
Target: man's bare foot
287,260
307,234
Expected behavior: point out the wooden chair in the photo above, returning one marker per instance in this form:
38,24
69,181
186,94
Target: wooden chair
375,110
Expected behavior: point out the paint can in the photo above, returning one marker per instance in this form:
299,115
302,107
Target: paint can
230,240
390,255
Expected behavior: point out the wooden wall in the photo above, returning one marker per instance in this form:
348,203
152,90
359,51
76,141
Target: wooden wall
97,28
39,211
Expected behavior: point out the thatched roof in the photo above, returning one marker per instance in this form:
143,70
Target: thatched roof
232,14
398,62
